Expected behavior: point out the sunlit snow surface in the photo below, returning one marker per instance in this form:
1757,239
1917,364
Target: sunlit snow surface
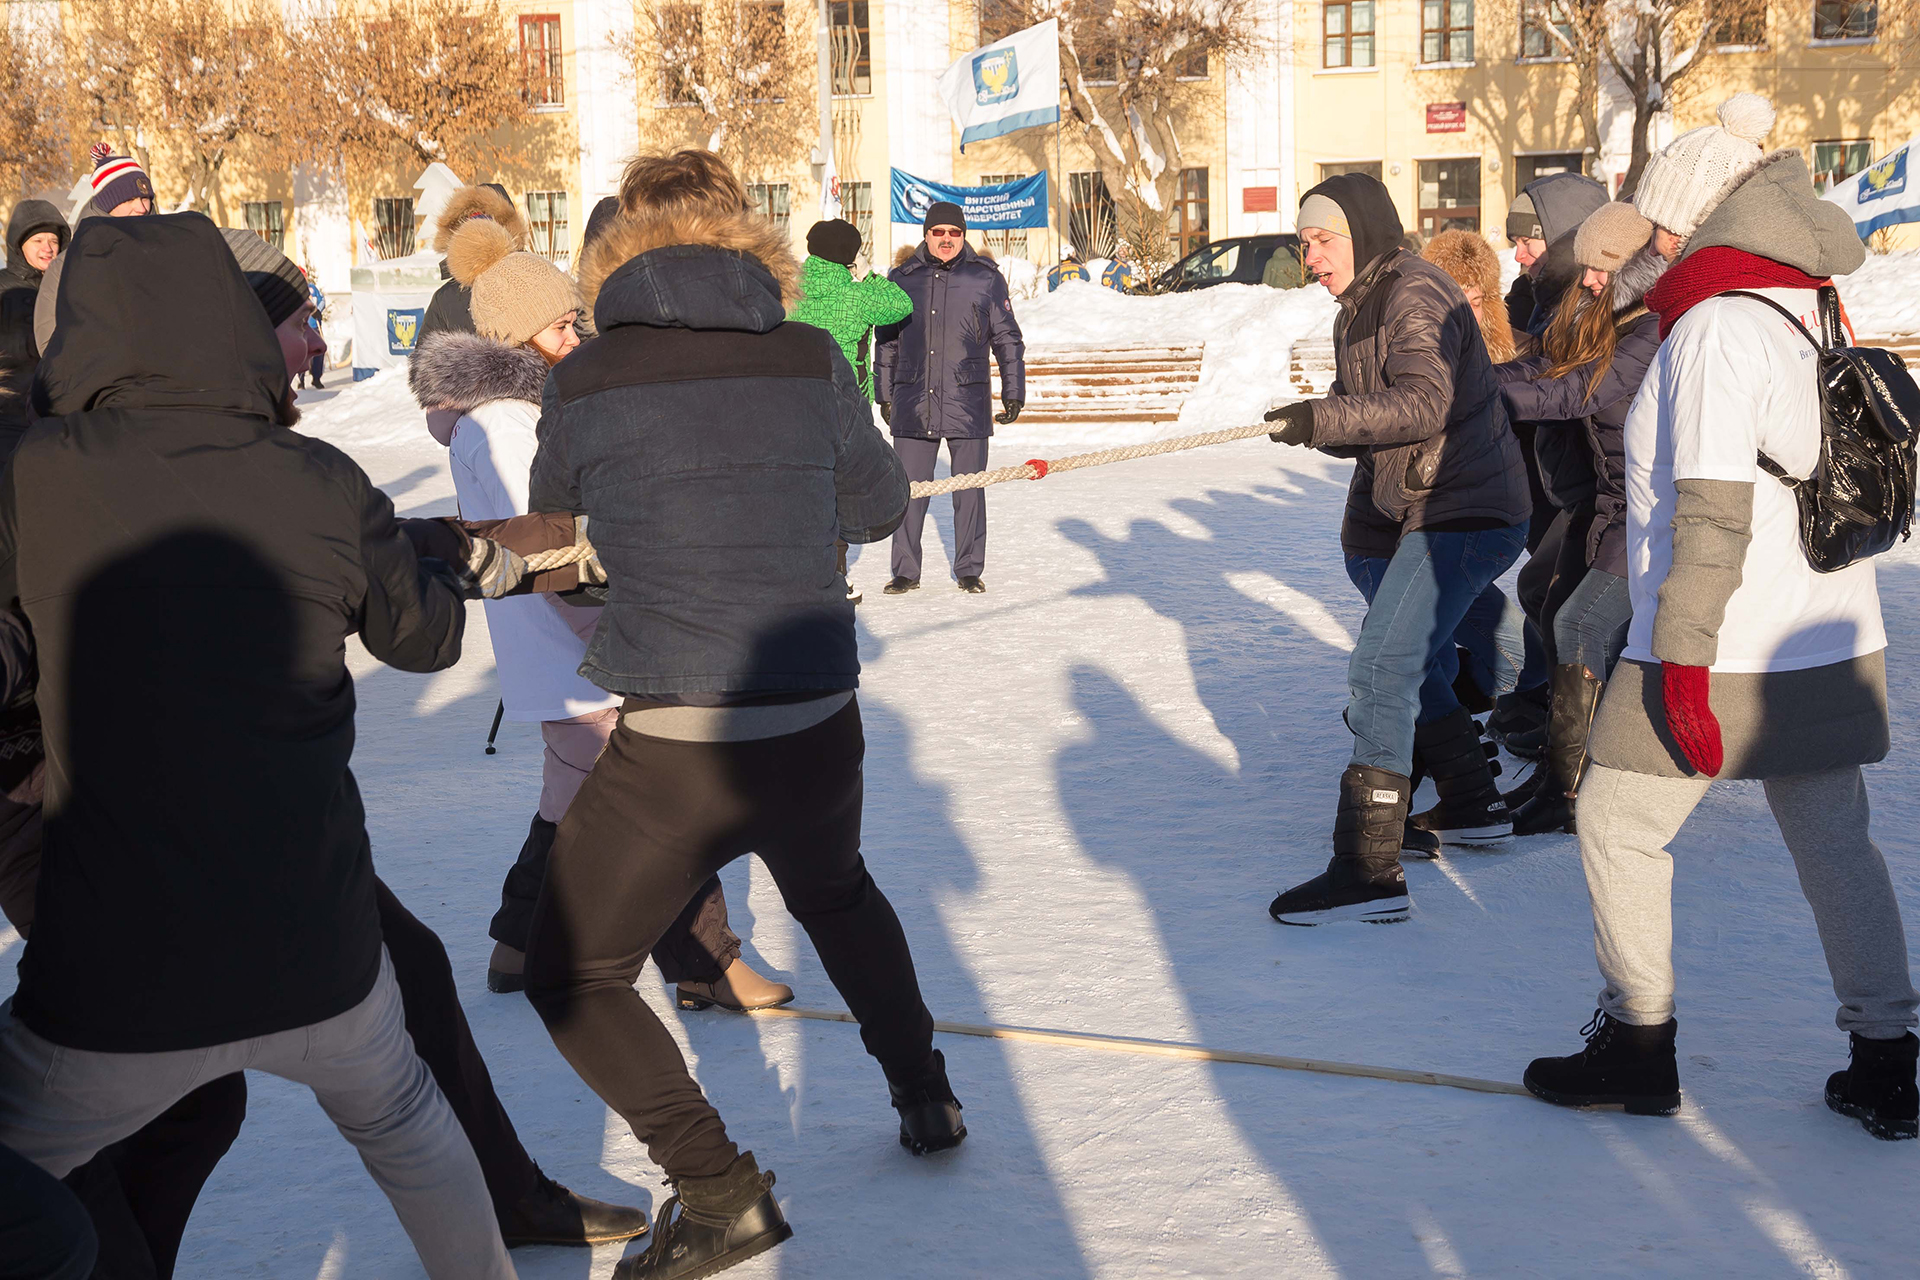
1082,789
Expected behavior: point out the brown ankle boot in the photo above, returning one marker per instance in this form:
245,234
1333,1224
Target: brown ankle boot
738,989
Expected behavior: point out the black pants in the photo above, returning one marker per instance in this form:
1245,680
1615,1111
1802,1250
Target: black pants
44,1234
652,823
1550,575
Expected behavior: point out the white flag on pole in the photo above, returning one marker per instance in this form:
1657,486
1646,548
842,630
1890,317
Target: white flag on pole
1010,84
1884,193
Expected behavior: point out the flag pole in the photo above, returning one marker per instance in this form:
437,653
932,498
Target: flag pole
1059,193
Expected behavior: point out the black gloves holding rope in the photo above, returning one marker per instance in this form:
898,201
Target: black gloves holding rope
1297,420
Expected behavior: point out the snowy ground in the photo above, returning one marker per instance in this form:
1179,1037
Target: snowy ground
1083,788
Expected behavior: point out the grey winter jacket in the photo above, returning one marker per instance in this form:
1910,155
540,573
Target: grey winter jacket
932,366
720,453
1415,401
1565,407
1562,201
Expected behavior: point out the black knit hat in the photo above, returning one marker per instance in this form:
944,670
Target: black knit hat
944,213
280,286
836,240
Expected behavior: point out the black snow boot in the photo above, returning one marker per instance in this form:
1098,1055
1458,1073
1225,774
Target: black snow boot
1416,841
1364,880
1576,696
1622,1066
551,1214
1471,809
1522,715
929,1113
723,1221
1467,689
1877,1088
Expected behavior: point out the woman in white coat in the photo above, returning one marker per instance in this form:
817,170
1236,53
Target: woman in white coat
525,310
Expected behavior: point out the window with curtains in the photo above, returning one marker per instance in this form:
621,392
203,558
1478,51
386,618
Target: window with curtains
1845,19
1545,31
1837,161
393,226
265,219
1188,227
1347,31
547,230
1006,242
850,39
542,73
1449,195
1446,30
772,201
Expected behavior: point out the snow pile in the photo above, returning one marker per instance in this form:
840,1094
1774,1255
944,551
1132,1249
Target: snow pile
1883,296
1249,331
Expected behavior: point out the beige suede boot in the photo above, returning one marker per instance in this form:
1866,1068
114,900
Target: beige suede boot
738,989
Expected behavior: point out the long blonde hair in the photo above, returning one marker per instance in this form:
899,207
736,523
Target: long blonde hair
1583,332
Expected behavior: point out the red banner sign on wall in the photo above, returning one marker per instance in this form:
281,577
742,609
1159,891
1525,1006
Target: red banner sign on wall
1446,117
1259,199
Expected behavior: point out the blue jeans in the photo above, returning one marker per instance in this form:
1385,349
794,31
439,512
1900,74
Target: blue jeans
1494,636
1591,627
1401,673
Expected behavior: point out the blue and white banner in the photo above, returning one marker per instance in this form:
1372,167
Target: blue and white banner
1011,84
1002,206
1883,194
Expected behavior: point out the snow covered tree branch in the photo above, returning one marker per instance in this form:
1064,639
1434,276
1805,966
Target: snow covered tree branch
737,64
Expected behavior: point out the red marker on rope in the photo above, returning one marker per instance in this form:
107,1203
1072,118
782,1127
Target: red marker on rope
1040,465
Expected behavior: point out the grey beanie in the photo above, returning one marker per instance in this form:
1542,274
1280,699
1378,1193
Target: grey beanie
280,286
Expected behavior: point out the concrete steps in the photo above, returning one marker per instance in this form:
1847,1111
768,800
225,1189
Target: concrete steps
1138,383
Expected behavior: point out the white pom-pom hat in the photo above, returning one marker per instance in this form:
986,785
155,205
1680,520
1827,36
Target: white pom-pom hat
1686,182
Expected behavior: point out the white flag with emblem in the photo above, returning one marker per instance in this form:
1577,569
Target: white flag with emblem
1883,194
1010,84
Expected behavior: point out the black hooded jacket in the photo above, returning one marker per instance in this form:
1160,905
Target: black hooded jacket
29,218
1415,401
191,570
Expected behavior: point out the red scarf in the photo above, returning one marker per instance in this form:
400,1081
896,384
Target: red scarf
1714,271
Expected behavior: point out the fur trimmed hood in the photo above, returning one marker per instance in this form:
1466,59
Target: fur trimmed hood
1630,284
462,371
1471,261
1774,213
629,235
478,201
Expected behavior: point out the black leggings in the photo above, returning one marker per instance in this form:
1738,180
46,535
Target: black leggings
654,820
1548,578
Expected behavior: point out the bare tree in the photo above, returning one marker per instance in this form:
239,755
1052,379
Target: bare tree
423,79
109,51
35,141
734,62
1129,70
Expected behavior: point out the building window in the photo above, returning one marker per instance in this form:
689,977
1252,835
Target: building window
1347,26
1449,195
856,206
542,78
393,226
1005,242
265,220
851,41
1194,66
1092,219
547,226
1369,167
1446,31
1845,19
1745,28
1527,168
1834,162
1548,38
1187,228
772,201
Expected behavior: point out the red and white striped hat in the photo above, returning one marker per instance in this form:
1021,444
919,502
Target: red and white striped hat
117,179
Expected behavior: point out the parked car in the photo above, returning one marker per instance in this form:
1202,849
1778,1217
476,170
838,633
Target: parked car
1241,260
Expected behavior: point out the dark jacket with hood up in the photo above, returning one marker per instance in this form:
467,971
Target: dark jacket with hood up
1415,401
1599,414
932,366
1561,201
719,452
191,570
29,218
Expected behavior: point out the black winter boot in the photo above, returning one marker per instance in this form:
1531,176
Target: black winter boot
1524,713
723,1221
1877,1088
1471,809
554,1215
929,1113
1364,880
1622,1066
1415,840
1576,696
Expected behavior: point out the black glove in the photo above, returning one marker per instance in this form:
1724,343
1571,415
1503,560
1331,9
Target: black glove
1298,418
1013,408
477,568
886,412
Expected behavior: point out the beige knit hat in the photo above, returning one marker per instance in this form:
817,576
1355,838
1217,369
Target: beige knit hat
1612,234
515,295
1686,182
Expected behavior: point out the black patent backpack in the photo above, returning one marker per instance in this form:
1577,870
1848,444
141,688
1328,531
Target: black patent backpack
1859,500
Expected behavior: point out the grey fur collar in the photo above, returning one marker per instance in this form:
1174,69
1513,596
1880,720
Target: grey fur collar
1631,283
461,371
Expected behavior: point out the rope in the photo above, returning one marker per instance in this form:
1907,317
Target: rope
1031,469
1191,1052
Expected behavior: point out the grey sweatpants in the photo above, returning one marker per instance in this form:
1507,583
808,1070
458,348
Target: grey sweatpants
60,1106
1626,821
918,457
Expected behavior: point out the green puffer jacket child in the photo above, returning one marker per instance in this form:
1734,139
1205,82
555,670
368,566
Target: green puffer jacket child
846,308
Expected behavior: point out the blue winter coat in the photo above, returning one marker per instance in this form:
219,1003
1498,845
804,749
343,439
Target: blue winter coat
932,366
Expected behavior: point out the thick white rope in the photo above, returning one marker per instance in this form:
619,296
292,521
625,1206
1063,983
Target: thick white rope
1192,1052
1033,469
